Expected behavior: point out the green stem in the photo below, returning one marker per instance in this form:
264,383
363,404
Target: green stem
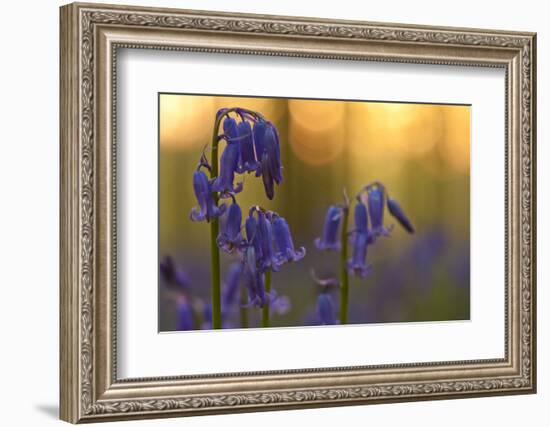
344,279
243,311
214,231
265,308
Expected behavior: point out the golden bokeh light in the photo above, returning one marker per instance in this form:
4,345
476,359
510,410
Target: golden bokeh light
316,115
316,130
320,131
455,146
316,147
401,129
185,121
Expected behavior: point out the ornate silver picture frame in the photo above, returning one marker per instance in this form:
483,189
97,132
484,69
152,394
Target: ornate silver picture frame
91,35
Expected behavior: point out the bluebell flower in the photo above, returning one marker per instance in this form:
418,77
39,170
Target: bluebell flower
358,262
258,132
375,199
230,130
273,150
228,166
399,215
231,238
203,192
266,142
247,159
253,234
330,239
325,309
265,236
254,279
267,178
172,275
231,287
184,316
361,219
284,245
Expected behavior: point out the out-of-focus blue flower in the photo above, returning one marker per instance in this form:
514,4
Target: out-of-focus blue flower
281,305
399,214
203,192
330,239
172,275
375,199
184,316
231,287
231,238
325,309
266,142
228,166
207,318
284,245
247,160
358,262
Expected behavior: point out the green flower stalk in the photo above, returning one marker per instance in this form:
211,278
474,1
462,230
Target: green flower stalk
265,308
344,277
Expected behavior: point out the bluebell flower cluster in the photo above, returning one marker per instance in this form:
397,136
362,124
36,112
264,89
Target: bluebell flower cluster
370,205
269,245
251,147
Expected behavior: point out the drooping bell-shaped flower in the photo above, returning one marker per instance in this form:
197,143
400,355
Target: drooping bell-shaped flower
375,200
258,132
361,219
184,316
325,309
231,287
253,234
228,166
231,238
358,262
172,275
284,245
247,159
267,178
265,235
399,214
203,192
230,129
266,143
273,150
330,239
254,279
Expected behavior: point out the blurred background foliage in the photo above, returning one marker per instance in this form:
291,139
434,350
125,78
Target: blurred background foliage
421,152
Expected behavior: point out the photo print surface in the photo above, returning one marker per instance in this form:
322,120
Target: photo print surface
279,212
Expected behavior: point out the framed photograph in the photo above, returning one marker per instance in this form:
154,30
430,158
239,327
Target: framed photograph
266,212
